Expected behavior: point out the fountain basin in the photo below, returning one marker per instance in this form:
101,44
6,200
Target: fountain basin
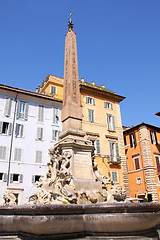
93,221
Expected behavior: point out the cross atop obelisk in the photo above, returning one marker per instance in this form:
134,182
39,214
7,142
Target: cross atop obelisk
72,111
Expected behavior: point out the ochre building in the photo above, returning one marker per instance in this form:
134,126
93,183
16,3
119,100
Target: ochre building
102,124
142,148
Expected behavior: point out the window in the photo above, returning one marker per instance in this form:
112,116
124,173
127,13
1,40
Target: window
5,128
90,115
125,141
96,144
133,141
7,108
159,178
19,130
53,90
18,155
114,176
55,116
3,151
111,122
40,113
17,178
153,137
90,100
157,158
108,105
136,163
139,181
3,177
35,178
40,133
38,157
114,152
55,135
22,110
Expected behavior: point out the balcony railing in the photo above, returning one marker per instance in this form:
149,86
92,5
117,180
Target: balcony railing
113,160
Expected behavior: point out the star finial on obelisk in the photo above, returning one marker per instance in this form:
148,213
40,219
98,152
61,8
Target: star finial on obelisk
70,23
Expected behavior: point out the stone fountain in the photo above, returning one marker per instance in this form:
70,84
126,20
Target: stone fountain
72,201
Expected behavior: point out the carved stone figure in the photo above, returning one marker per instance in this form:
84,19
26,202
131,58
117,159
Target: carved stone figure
9,197
116,194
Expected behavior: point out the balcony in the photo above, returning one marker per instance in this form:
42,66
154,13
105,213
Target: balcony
113,160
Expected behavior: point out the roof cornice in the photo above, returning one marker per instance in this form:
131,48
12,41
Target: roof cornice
100,92
27,92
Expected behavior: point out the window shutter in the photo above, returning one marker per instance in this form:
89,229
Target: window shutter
10,129
86,99
111,106
151,134
117,153
39,133
137,166
97,146
21,178
105,104
22,128
156,138
38,156
93,101
113,124
11,177
1,126
130,137
158,164
108,121
3,151
111,151
16,130
33,178
114,177
89,116
5,177
40,113
18,154
57,116
18,108
7,109
134,137
26,111
53,135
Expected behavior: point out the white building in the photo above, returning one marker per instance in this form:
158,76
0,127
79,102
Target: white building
29,125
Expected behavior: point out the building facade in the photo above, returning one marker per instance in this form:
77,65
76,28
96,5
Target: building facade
142,149
29,125
102,123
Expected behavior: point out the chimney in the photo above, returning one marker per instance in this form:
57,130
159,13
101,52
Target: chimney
93,83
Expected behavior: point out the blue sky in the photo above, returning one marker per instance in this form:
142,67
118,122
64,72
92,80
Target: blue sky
118,45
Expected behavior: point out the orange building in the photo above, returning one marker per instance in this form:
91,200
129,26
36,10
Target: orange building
142,149
102,123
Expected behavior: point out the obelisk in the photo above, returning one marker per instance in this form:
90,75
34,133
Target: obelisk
72,111
72,137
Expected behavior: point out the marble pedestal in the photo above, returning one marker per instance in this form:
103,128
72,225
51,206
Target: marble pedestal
81,167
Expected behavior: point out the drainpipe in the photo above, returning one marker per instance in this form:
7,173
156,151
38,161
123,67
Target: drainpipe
11,144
